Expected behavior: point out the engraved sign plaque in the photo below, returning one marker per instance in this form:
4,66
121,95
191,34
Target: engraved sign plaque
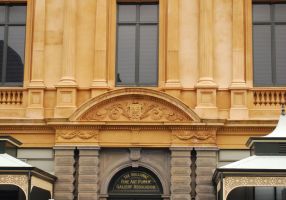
135,181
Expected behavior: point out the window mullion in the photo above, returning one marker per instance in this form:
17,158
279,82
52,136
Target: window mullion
273,46
137,45
5,45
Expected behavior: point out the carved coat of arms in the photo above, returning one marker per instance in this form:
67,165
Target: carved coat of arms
134,111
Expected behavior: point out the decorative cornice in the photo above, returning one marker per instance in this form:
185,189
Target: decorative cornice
231,183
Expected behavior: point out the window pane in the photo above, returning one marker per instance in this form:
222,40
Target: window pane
262,54
127,13
1,50
148,55
280,12
280,34
261,12
15,54
264,193
149,13
2,14
17,14
126,54
281,193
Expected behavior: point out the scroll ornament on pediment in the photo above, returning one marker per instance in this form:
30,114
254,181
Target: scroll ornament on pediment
134,111
195,136
77,134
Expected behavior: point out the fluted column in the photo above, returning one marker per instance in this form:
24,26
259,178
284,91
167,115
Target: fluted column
66,88
206,87
38,56
238,44
206,44
239,108
36,86
69,44
173,69
99,83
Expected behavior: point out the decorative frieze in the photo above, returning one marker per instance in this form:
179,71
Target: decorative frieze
194,136
231,183
136,109
76,135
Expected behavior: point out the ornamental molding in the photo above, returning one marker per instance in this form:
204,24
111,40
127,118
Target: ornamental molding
73,135
230,183
135,105
196,136
134,127
136,109
19,180
238,128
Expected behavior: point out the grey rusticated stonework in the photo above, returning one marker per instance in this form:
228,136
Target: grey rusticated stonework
88,173
64,170
206,164
113,160
180,173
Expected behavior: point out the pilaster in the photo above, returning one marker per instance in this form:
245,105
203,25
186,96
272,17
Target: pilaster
88,173
206,44
66,88
69,44
35,108
206,87
205,164
173,69
180,173
66,101
238,88
64,170
99,83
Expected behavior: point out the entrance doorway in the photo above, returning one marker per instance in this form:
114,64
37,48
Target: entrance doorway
135,184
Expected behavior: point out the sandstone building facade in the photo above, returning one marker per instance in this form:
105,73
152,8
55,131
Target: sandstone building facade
103,92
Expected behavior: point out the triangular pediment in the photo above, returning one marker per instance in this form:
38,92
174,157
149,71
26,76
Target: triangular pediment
136,107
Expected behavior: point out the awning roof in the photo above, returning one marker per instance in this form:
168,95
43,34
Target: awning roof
9,161
280,130
258,163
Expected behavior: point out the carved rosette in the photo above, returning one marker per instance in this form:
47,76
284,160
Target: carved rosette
19,180
74,135
195,137
136,109
231,183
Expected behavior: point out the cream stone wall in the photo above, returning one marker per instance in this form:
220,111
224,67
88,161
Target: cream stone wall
205,61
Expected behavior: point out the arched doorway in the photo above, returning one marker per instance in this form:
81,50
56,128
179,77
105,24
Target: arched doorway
135,184
11,192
